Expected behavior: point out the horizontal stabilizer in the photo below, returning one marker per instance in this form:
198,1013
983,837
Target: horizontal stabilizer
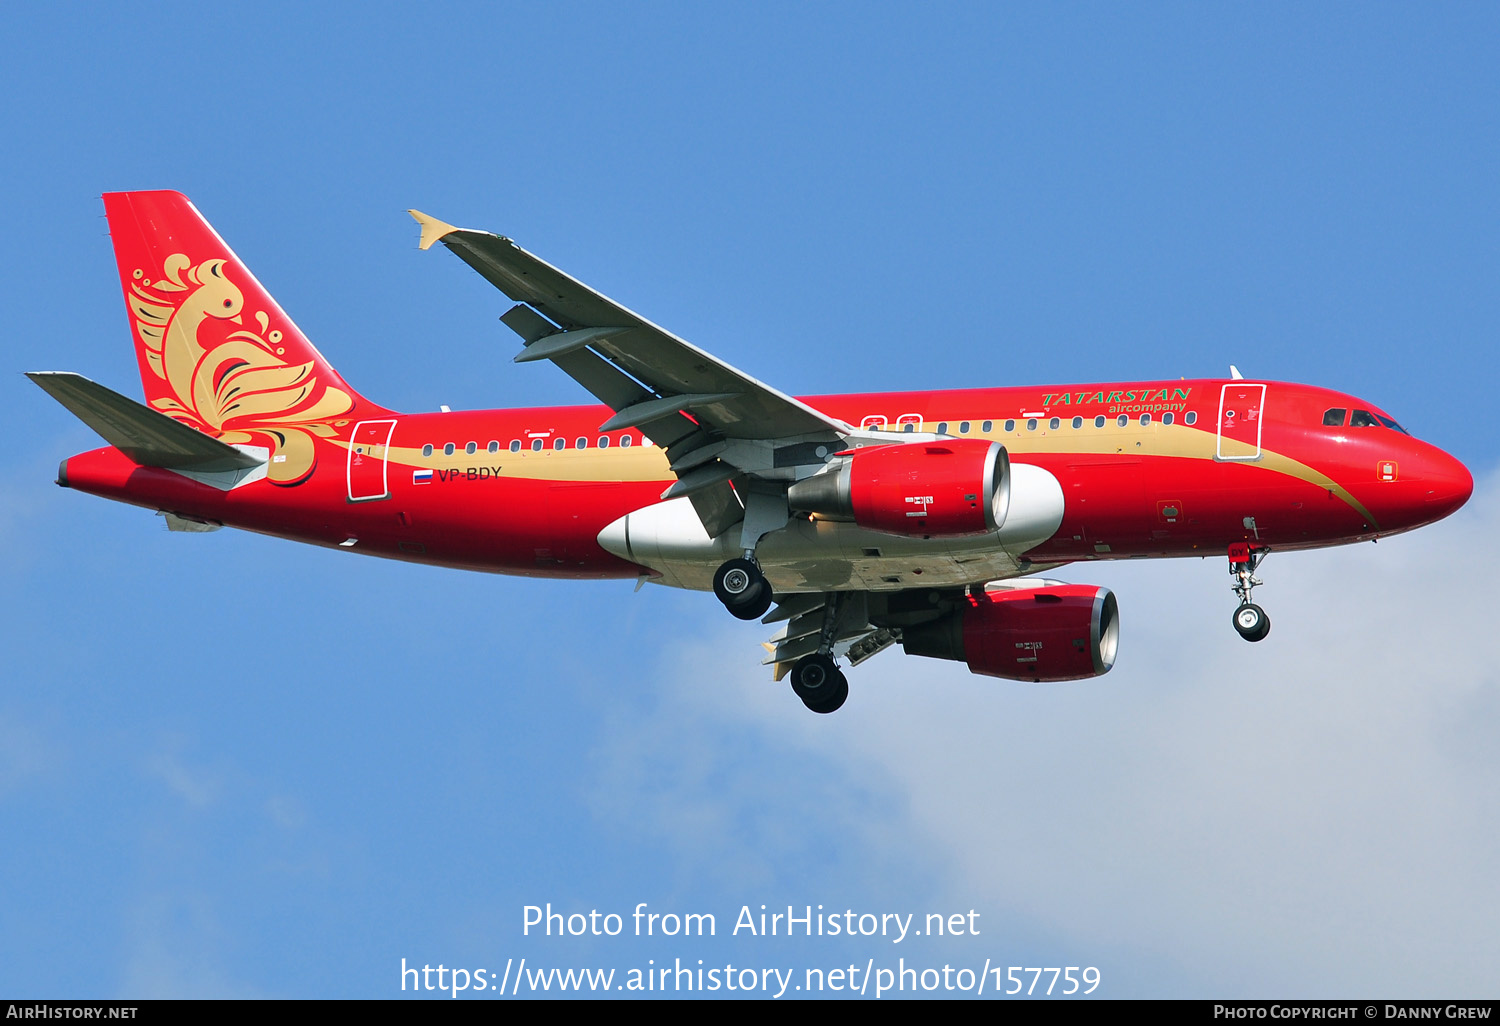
149,438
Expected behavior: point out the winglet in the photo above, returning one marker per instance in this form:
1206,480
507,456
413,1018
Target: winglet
432,228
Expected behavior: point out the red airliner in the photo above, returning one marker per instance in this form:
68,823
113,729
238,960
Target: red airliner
918,518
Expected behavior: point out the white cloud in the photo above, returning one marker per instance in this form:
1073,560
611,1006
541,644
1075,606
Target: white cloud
176,949
196,786
716,787
24,753
1315,814
286,811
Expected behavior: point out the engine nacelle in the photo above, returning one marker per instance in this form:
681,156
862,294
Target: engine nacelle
948,488
1049,633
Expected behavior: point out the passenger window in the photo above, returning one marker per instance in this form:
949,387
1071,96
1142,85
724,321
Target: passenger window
559,443
1123,420
963,427
942,427
471,448
1077,423
1098,422
987,426
1166,418
1362,418
1055,423
515,445
1334,417
1145,419
1191,418
1010,425
625,440
1031,424
427,450
604,441
908,426
493,447
580,443
536,445
448,449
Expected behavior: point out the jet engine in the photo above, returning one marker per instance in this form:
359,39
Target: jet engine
947,488
1048,633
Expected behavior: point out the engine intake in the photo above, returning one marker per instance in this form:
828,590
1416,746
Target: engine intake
1049,633
948,488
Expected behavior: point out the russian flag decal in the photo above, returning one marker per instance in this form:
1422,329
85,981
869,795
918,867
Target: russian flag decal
421,477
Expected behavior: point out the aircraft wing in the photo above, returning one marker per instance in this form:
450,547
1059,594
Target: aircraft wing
670,389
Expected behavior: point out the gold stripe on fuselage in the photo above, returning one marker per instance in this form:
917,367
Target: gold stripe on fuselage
649,463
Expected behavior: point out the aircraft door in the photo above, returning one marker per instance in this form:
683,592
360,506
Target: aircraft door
368,448
1241,409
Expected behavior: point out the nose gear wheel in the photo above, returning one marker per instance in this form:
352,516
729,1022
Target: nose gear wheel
1252,622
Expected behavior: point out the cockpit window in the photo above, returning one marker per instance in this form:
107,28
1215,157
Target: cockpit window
1361,418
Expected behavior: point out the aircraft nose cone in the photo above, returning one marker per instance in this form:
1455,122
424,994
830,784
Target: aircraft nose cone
1448,484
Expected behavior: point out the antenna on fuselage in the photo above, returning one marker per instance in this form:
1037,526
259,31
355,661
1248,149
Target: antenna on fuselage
1234,373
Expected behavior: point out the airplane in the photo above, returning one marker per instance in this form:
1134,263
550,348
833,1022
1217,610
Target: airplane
919,519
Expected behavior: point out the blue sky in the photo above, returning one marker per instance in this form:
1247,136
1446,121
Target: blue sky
235,766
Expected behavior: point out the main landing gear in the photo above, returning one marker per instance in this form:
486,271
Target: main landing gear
746,593
820,684
743,589
1249,619
816,678
739,583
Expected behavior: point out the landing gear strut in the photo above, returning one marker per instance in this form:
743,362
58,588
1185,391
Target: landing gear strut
739,583
743,589
1250,620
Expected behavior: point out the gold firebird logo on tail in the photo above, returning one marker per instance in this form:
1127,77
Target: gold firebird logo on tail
223,378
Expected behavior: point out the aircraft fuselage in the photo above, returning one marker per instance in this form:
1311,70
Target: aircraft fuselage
1153,469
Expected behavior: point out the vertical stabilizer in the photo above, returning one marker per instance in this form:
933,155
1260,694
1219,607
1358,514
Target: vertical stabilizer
215,350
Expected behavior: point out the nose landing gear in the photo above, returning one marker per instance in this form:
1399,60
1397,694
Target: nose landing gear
1250,620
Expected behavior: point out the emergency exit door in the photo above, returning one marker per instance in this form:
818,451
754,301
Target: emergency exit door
367,455
1241,414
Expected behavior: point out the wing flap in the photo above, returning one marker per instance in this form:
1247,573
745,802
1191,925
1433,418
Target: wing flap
854,637
718,507
662,409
